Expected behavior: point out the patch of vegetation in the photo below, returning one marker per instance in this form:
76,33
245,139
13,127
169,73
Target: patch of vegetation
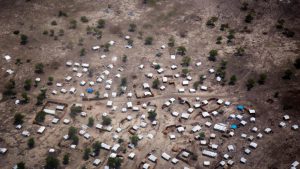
21,165
24,39
106,120
249,18
27,84
50,80
224,26
96,148
39,68
114,162
212,55
250,84
54,23
25,98
66,159
84,19
75,110
230,36
101,23
41,97
184,72
171,42
132,27
51,162
152,115
16,32
10,88
62,13
155,83
186,61
232,80
124,58
73,24
240,51
288,33
149,40
211,22
262,79
82,52
86,153
181,50
297,63
91,122
244,6
202,135
219,40
40,117
287,74
18,119
280,24
134,140
30,143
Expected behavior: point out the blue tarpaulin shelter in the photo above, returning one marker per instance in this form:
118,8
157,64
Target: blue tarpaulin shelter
89,90
240,107
233,126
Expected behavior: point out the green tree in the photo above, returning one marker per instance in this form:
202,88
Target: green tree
91,122
66,159
40,117
212,55
185,72
25,97
86,153
114,162
219,39
250,84
75,140
232,80
62,13
101,23
84,19
297,63
24,39
41,97
287,74
73,24
106,47
27,84
97,147
39,68
202,135
152,115
51,162
132,27
82,52
211,22
75,110
181,50
262,79
149,40
21,165
106,120
155,83
186,61
124,81
171,42
72,132
31,143
18,119
50,80
196,84
240,51
134,140
249,18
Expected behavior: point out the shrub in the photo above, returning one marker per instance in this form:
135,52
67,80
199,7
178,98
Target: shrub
288,33
124,58
53,23
41,97
106,47
24,39
244,6
287,74
211,22
134,140
248,18
40,117
114,162
132,27
280,24
202,135
171,42
72,132
82,52
219,39
91,122
262,79
86,153
31,143
27,84
21,165
73,24
232,80
224,26
97,147
212,55
297,63
155,84
181,50
250,84
51,162
75,110
39,68
62,13
240,51
9,88
106,120
66,159
186,61
185,72
152,115
25,97
18,119
84,19
124,81
149,40
16,32
101,23
61,32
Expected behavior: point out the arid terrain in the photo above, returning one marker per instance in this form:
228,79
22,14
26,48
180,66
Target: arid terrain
153,78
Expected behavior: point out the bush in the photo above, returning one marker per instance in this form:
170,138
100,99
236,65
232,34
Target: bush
244,6
171,42
149,40
155,84
24,39
101,23
181,50
53,23
202,135
91,122
97,147
212,55
262,79
39,68
232,80
62,13
106,47
72,132
18,119
16,32
86,153
41,97
132,27
288,33
75,110
84,19
240,51
21,165
31,143
9,88
186,61
82,52
73,24
280,23
224,26
114,162
51,162
250,84
297,63
211,22
27,84
219,39
124,81
185,72
61,32
106,120
40,117
248,18
134,140
287,74
152,115
66,159
25,97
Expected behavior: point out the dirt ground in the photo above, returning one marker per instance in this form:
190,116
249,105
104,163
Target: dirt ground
267,51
